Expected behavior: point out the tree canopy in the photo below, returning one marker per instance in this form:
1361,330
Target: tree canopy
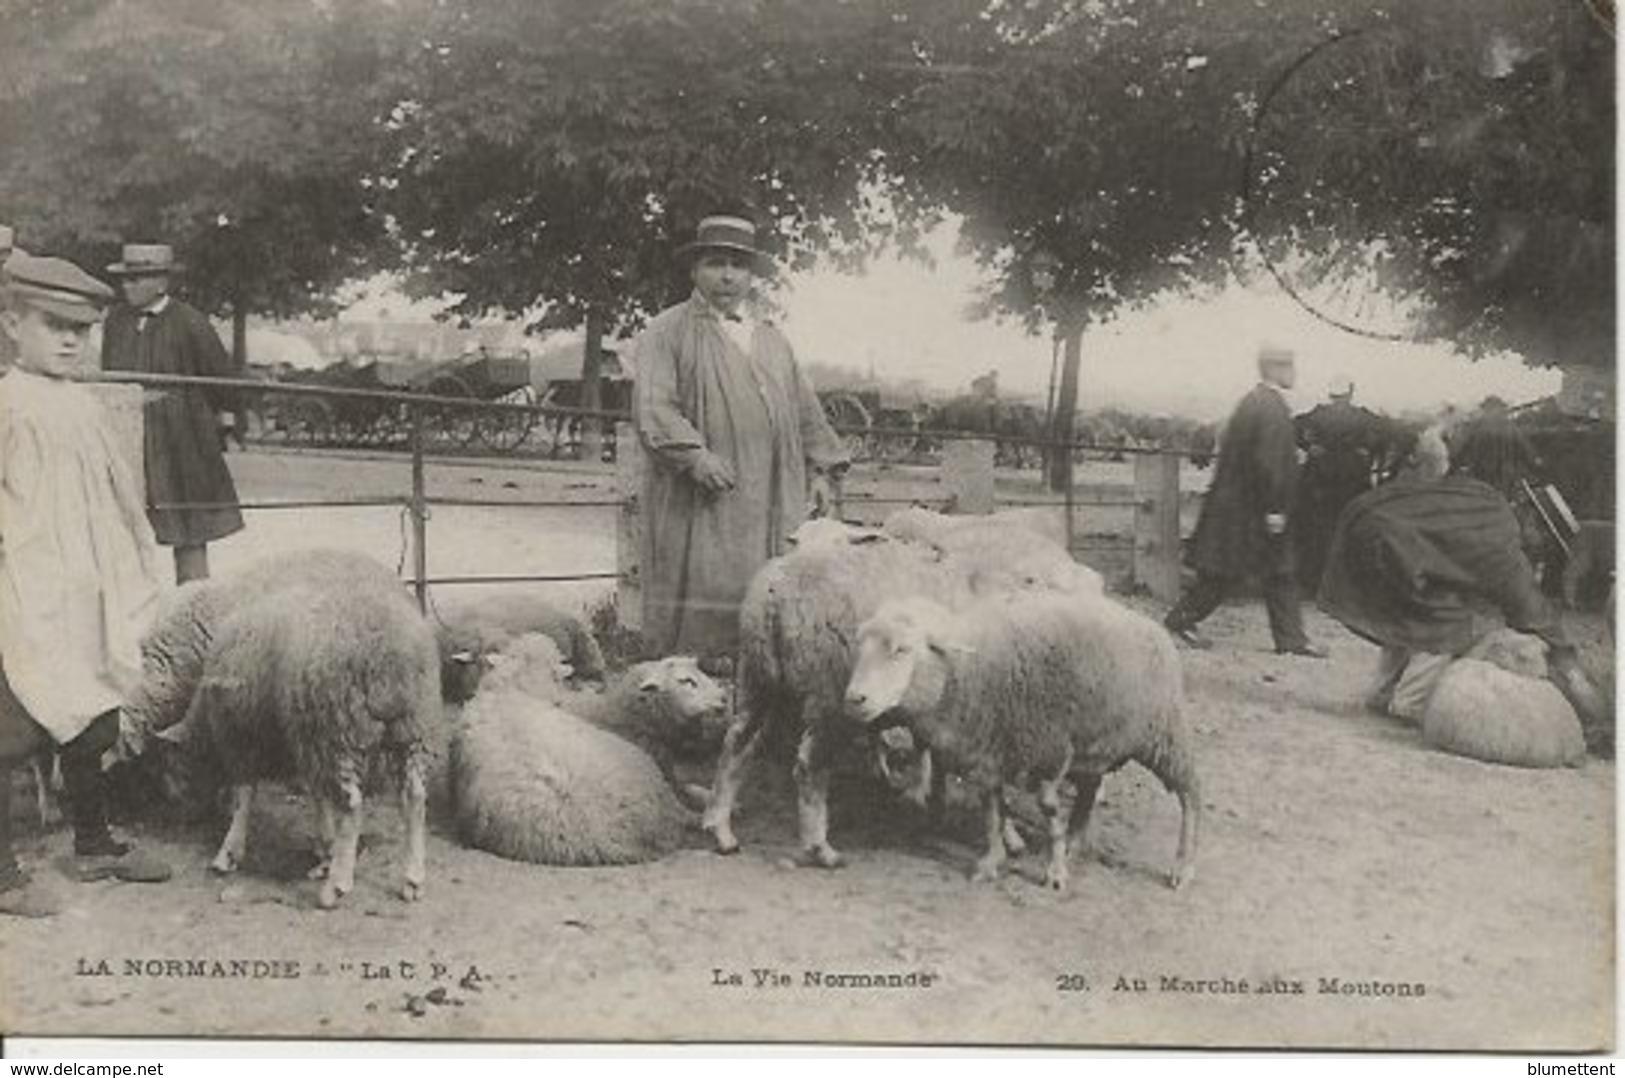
549,156
239,132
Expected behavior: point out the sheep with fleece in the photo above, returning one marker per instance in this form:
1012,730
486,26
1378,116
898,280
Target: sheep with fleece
927,525
1010,548
535,782
1035,688
471,627
798,625
315,666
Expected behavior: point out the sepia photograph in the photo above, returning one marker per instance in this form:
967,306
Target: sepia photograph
1068,524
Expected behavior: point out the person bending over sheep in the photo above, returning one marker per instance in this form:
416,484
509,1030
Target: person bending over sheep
1038,689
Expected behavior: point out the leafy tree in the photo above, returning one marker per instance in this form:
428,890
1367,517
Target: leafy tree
552,156
240,132
1460,149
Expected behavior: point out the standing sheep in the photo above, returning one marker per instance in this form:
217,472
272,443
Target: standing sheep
311,666
1039,690
797,624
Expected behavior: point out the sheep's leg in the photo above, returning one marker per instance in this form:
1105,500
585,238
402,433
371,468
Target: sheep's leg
326,831
414,811
812,795
1051,799
341,877
1190,811
738,747
235,844
993,860
47,776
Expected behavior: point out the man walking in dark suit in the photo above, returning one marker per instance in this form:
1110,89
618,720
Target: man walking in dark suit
1244,523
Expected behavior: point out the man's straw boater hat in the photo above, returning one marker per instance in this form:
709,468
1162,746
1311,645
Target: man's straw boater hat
145,258
721,232
56,286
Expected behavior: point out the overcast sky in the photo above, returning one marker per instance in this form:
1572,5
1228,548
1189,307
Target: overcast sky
1193,358
904,320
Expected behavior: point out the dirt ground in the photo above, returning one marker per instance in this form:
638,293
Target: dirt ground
1355,888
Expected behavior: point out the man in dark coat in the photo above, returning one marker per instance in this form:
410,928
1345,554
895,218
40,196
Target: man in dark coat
155,333
1345,444
1243,528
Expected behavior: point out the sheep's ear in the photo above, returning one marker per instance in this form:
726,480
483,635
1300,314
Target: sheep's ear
651,682
861,538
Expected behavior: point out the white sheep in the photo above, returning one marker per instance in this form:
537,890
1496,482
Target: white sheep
1010,548
315,666
798,627
798,622
1033,689
662,706
533,781
919,523
470,627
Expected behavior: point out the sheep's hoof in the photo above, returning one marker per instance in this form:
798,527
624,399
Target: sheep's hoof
1180,876
329,895
822,857
412,890
723,837
319,870
985,872
1055,879
223,864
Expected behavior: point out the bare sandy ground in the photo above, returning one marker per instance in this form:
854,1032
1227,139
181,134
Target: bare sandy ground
1356,888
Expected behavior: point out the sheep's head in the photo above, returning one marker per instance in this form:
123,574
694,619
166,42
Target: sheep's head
900,663
681,695
529,664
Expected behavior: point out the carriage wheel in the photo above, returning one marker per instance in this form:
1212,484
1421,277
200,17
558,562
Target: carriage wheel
507,430
460,426
310,420
851,421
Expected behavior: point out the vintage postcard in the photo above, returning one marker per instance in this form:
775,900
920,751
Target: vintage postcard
1215,648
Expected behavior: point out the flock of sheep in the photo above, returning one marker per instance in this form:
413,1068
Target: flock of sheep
934,646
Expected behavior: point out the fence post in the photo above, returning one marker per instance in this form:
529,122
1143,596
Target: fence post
629,465
967,469
1156,524
418,507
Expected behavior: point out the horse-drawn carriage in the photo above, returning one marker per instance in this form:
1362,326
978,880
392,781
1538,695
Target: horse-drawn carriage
358,421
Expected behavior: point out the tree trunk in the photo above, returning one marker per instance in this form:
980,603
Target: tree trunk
592,436
239,369
1066,405
239,336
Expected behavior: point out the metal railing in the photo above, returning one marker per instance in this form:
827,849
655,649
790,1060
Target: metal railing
416,503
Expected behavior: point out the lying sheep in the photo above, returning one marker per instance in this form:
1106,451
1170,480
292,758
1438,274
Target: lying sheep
1041,689
310,666
660,706
533,782
471,627
921,524
1001,550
